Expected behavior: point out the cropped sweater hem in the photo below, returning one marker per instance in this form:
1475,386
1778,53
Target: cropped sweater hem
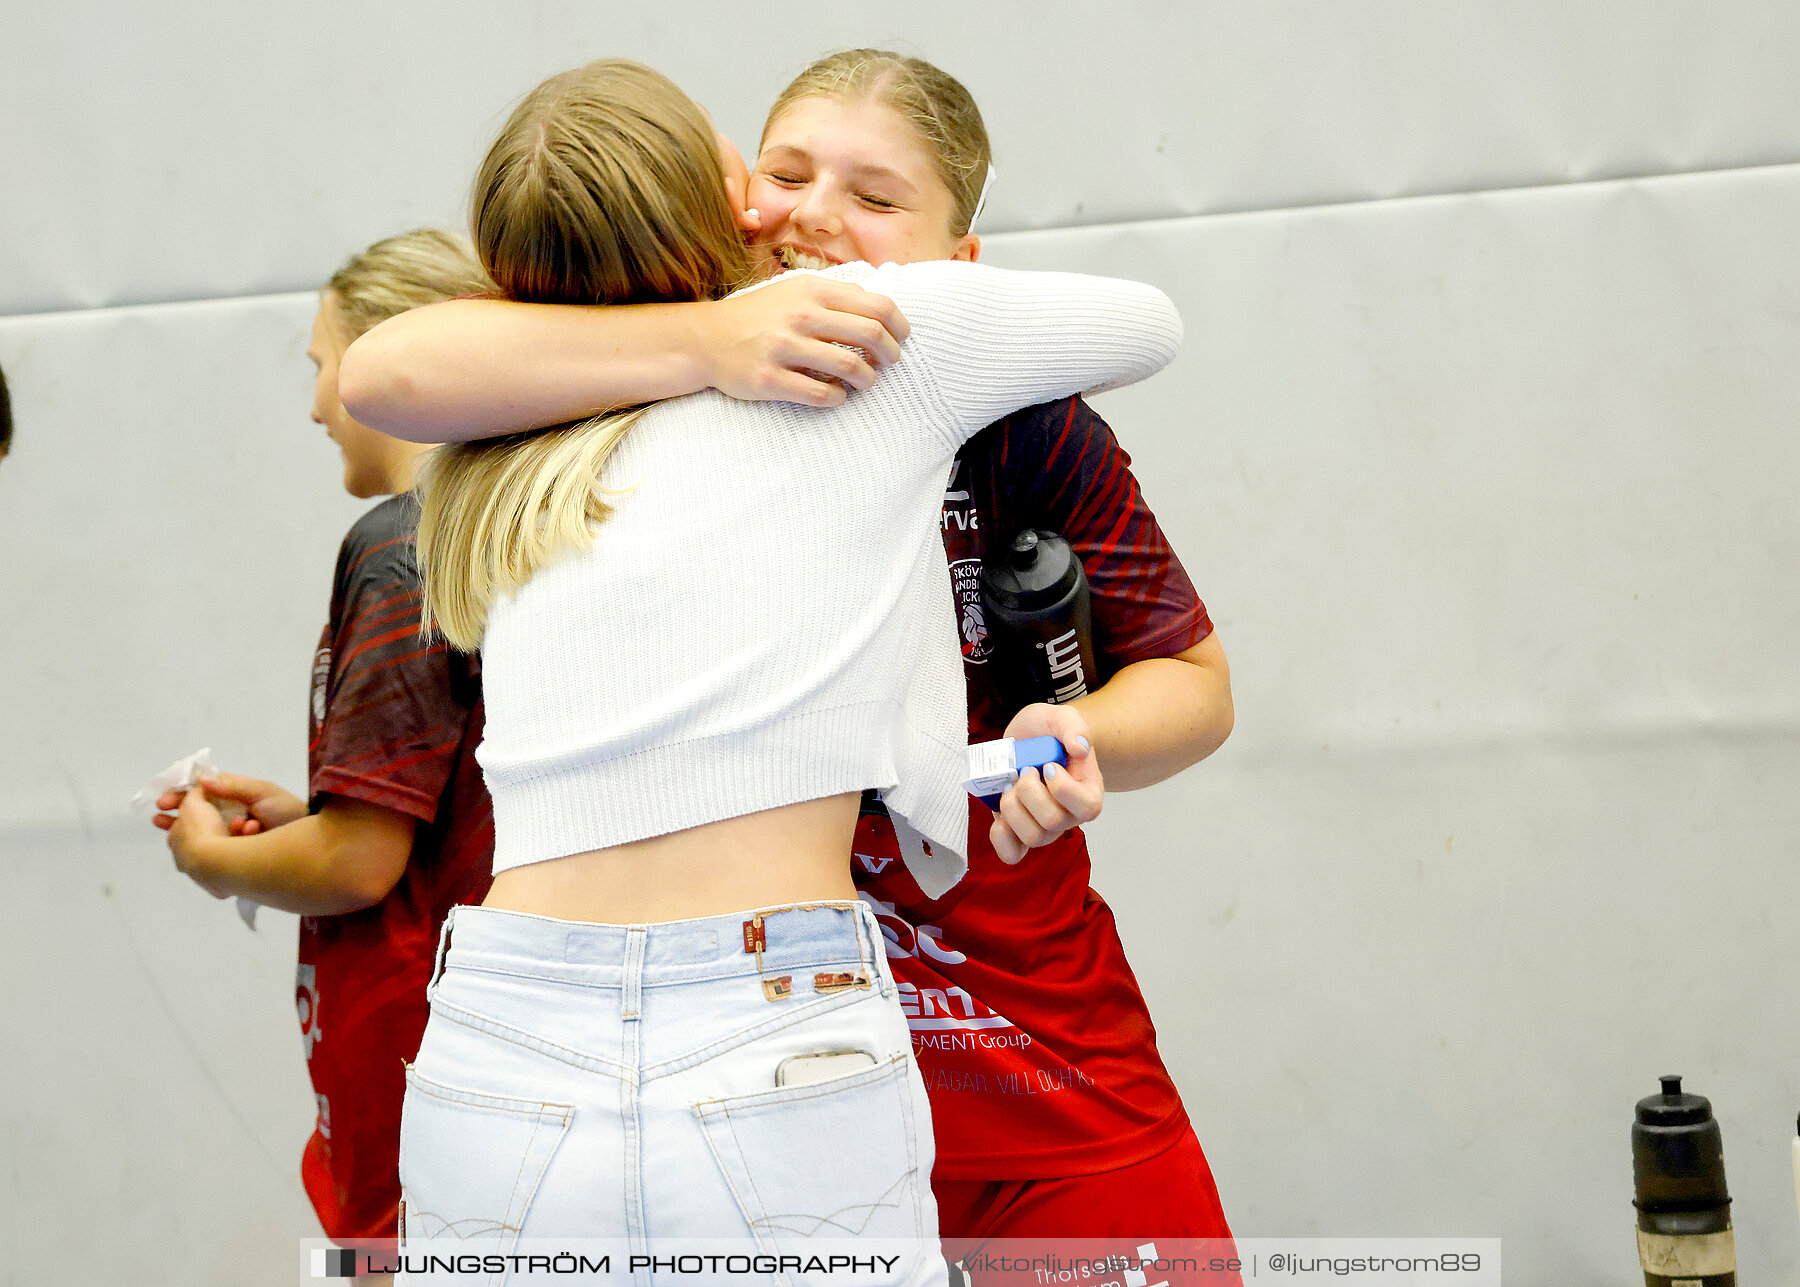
552,810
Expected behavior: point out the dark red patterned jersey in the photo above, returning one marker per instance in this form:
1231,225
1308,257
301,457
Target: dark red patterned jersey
396,718
1028,1024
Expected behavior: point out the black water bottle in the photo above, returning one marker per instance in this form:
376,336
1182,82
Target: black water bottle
1036,597
1684,1212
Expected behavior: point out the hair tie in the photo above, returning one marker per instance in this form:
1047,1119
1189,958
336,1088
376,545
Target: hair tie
981,201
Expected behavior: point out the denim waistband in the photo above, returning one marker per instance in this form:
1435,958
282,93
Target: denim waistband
752,942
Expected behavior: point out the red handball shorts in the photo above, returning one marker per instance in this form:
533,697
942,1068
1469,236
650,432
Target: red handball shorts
1161,1217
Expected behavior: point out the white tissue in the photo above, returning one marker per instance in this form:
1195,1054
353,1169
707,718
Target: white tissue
179,776
184,775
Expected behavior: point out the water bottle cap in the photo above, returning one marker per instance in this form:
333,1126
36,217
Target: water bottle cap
1032,572
1672,1107
1678,1157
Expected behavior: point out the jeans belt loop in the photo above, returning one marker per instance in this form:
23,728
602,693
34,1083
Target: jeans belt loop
443,949
637,947
872,942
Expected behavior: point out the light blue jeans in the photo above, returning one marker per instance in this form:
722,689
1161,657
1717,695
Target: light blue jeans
583,1081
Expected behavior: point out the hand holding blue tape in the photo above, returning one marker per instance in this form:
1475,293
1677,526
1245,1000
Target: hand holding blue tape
995,766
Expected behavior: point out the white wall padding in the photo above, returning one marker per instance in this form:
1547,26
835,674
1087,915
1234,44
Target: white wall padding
1492,497
182,151
170,517
153,1098
182,514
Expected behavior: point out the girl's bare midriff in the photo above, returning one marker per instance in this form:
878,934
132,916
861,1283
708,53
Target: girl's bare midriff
796,854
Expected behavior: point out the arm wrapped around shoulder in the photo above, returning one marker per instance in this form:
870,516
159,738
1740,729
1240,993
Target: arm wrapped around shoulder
995,340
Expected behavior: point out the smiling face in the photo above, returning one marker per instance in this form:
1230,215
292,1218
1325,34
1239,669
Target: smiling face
842,179
374,464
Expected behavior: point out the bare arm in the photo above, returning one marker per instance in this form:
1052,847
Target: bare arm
341,859
1148,722
1154,718
474,368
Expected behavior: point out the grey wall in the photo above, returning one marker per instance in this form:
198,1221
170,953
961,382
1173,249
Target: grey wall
1481,450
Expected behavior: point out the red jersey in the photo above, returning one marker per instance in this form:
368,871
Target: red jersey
395,722
1028,1024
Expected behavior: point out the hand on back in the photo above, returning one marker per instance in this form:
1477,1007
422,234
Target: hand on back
805,339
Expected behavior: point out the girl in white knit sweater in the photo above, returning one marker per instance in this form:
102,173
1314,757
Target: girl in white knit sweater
672,1017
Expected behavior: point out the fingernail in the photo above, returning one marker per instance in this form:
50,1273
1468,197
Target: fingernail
1084,744
1050,770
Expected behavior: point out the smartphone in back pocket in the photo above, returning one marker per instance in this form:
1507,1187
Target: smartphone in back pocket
800,1070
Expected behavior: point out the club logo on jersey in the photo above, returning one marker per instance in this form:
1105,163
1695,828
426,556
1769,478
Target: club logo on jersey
321,676
306,1001
971,620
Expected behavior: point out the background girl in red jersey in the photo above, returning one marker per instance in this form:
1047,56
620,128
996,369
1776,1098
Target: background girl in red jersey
1053,1113
396,828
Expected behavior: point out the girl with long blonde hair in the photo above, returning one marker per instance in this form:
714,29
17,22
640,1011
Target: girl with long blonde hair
672,1016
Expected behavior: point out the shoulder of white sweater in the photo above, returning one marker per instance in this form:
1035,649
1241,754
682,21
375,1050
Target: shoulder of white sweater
965,310
953,274
983,294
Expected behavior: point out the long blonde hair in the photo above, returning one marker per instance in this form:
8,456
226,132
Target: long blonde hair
604,187
933,101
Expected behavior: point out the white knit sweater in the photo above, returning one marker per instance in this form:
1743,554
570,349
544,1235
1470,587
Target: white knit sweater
766,616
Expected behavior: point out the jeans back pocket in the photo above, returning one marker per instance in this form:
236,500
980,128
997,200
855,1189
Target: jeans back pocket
470,1163
827,1160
